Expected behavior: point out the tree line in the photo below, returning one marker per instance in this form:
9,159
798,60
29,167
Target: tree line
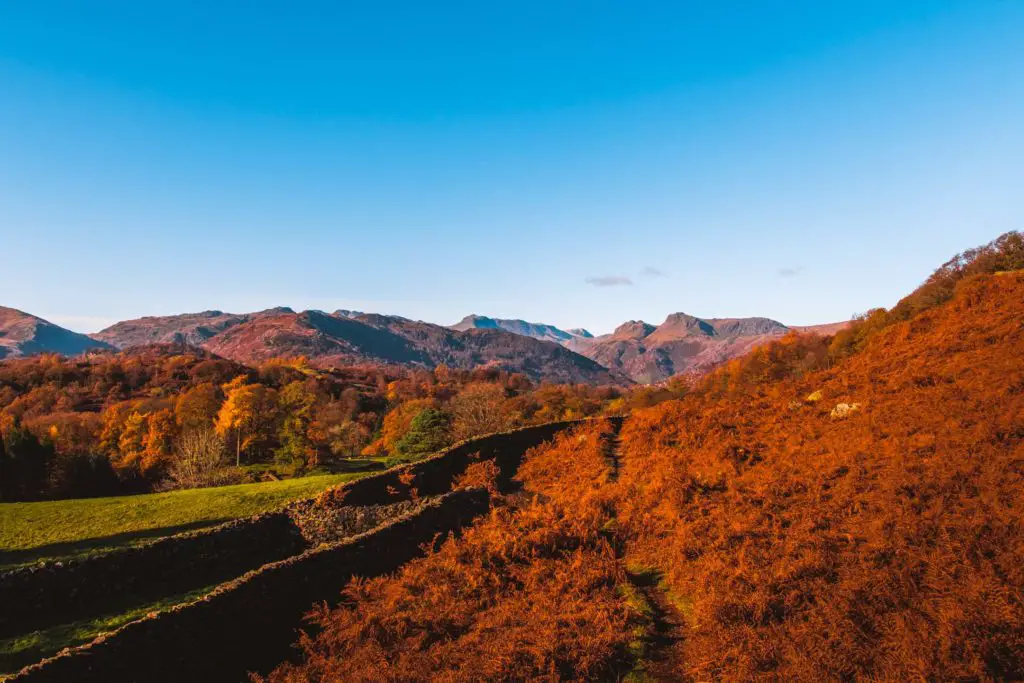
160,417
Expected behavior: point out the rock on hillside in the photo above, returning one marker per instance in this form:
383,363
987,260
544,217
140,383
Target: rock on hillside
681,344
22,334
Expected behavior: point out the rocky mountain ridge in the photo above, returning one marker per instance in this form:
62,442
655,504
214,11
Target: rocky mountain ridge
635,351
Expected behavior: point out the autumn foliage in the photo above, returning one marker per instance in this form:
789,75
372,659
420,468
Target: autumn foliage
796,539
134,421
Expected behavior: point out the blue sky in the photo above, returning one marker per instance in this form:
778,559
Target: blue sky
575,163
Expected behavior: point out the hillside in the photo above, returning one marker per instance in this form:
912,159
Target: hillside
120,422
859,521
325,339
22,334
681,344
879,542
823,329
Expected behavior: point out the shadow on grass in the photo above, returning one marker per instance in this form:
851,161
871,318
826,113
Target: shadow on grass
20,651
10,559
347,465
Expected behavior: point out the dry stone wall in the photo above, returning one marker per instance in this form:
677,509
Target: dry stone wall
60,592
250,623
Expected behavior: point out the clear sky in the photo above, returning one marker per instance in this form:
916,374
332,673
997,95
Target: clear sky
575,163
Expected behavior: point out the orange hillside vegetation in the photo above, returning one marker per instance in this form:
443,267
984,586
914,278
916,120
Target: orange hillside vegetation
885,544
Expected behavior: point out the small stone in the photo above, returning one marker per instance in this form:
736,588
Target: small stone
844,410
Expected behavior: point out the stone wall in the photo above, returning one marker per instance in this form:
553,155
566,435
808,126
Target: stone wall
330,523
250,623
59,592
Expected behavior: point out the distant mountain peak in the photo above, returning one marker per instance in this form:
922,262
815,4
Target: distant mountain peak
684,323
475,321
521,327
580,332
346,313
633,329
23,334
682,343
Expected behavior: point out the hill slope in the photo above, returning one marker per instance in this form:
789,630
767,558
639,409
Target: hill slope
22,334
876,543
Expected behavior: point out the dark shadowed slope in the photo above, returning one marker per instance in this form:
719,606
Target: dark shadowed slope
22,334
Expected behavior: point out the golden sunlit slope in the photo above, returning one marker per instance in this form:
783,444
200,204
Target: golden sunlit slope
880,541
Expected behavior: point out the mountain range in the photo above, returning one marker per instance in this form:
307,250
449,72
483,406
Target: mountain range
635,352
681,344
352,337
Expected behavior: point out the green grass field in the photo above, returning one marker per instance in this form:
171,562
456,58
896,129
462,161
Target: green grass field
70,528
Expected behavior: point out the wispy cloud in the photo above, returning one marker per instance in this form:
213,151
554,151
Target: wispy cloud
791,271
609,281
651,271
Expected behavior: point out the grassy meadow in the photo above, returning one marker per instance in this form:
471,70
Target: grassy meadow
30,532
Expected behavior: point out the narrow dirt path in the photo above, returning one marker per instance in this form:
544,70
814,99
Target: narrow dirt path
659,656
661,659
610,448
